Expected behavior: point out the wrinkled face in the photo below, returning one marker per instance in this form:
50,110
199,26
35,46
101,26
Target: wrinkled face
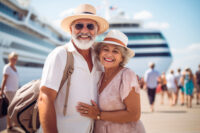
84,32
110,56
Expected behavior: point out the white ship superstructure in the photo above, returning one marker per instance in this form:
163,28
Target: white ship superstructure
149,45
22,31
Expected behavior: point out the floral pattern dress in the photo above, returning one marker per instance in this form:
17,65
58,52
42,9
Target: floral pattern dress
111,99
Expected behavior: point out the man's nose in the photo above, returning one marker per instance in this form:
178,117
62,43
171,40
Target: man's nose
85,29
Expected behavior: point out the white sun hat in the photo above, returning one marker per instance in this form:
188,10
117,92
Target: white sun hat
85,11
116,37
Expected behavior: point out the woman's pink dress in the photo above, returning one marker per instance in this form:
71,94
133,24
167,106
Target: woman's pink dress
111,99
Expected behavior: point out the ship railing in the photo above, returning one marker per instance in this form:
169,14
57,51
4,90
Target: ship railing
10,13
20,20
44,31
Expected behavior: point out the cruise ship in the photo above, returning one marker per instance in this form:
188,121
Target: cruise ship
23,31
149,45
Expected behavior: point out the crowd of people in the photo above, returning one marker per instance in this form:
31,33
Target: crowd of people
182,86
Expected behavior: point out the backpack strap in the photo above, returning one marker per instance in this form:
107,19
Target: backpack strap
70,64
69,68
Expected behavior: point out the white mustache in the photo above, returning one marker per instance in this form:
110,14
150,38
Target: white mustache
86,34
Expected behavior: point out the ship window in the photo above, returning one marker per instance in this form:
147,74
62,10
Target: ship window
144,36
5,9
28,49
136,36
100,38
26,63
15,32
123,25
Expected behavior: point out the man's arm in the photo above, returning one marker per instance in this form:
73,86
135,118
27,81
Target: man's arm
47,112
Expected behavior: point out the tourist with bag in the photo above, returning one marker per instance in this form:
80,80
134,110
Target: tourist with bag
10,82
118,109
84,25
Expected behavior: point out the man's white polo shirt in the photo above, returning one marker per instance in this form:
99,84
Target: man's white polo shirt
83,87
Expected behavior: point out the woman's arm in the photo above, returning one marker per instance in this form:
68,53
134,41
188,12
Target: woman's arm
47,110
4,80
130,114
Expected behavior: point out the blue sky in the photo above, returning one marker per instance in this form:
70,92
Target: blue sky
179,21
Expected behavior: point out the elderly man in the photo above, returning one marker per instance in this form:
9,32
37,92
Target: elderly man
151,78
84,26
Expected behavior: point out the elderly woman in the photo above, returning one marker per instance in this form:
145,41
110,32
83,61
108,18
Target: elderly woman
10,80
118,109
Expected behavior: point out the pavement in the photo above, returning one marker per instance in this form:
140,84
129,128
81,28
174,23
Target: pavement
165,118
169,119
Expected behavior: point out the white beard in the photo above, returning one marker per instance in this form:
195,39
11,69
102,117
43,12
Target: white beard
82,44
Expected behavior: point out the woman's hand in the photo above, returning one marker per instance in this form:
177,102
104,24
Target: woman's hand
91,111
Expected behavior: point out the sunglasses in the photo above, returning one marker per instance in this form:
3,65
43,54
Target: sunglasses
80,26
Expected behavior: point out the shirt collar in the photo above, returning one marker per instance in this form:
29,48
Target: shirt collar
71,47
95,61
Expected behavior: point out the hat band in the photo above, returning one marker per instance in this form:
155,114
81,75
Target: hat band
114,40
88,13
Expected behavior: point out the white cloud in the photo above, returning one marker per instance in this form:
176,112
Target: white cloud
66,13
143,15
186,57
192,48
61,16
57,22
157,25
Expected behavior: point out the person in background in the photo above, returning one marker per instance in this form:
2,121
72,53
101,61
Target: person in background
10,81
118,109
151,80
179,87
84,25
188,84
172,87
197,77
163,82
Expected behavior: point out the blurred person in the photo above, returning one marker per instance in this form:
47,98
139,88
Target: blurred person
188,84
198,86
172,87
84,25
141,82
151,81
118,109
180,87
10,82
164,90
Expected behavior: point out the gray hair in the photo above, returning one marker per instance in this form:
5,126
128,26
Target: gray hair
124,52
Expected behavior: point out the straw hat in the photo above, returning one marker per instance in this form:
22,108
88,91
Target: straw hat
85,11
118,38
